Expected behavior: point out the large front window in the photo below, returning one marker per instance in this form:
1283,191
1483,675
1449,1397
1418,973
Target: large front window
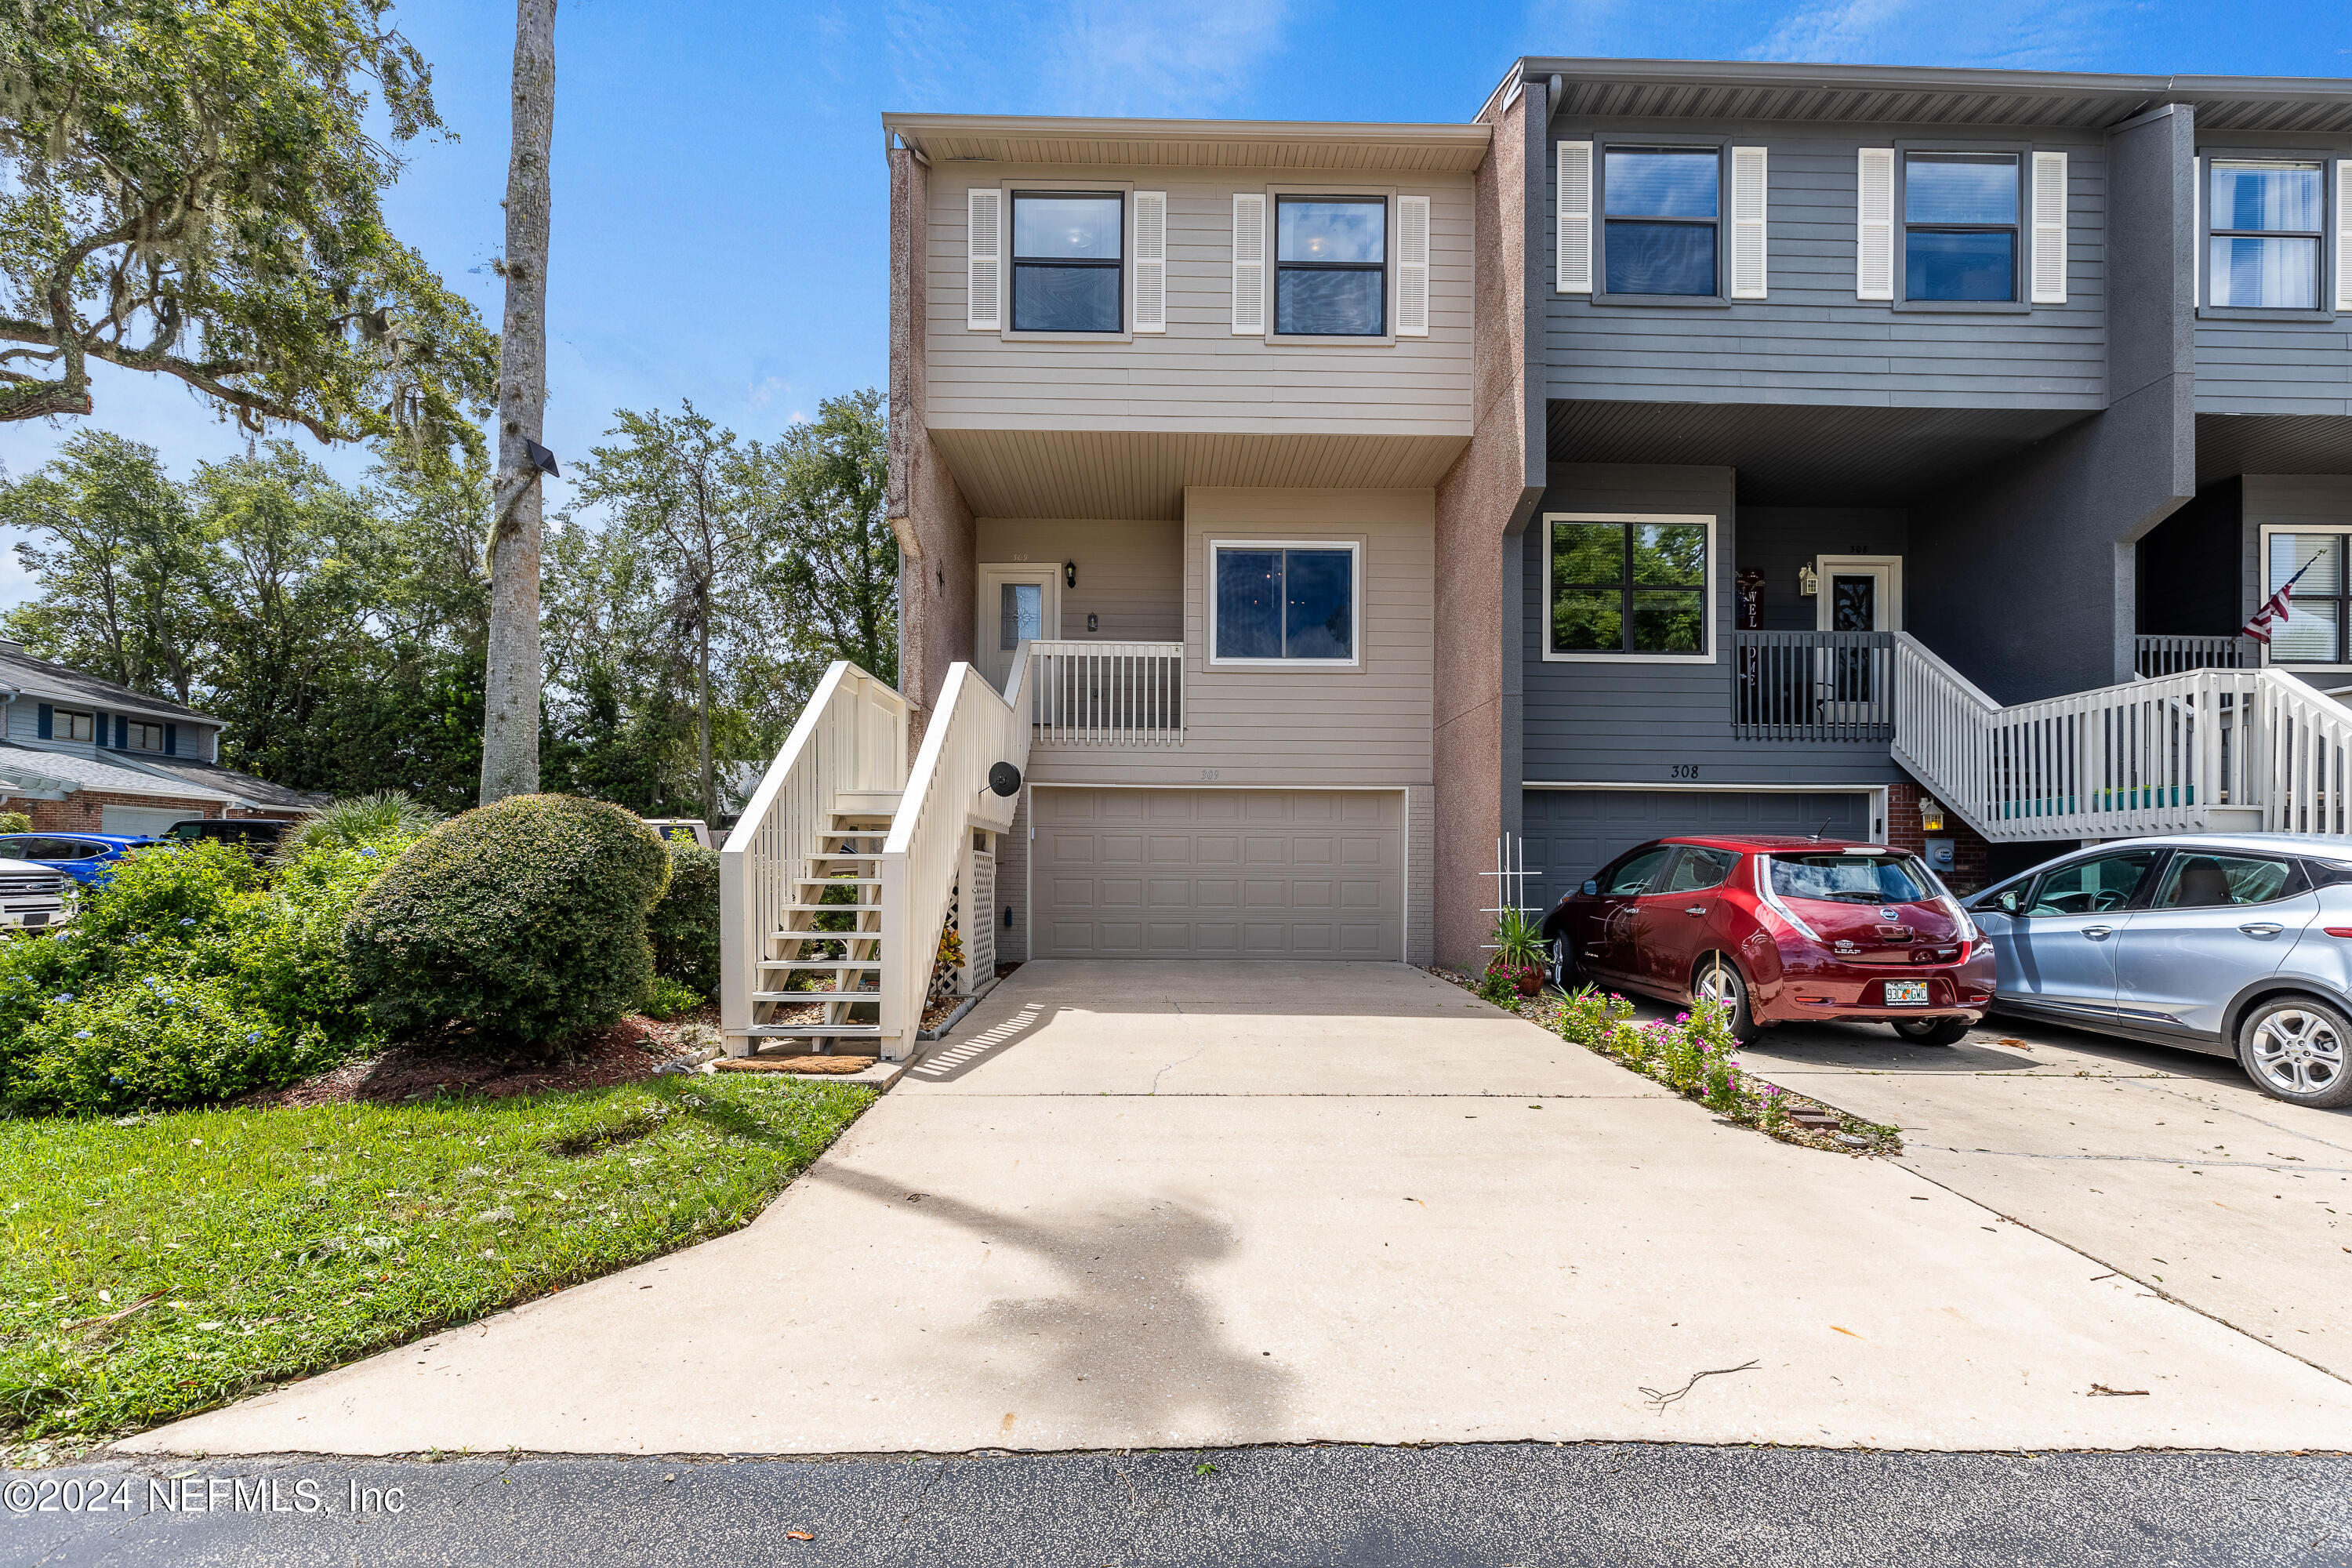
2262,252
1285,601
1628,588
2315,629
1960,222
1662,207
1331,267
1067,254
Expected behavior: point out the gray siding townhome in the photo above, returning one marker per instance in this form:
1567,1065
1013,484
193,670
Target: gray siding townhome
1885,414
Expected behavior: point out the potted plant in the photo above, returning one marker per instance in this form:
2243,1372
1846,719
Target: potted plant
1518,945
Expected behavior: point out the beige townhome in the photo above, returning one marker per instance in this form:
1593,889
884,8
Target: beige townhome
1171,403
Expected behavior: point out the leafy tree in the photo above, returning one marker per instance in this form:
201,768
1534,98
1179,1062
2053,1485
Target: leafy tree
833,557
188,190
122,564
682,491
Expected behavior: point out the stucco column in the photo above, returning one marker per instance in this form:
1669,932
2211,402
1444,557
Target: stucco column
1482,505
936,581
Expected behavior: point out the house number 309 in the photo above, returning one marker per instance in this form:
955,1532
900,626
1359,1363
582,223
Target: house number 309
1208,773
1682,770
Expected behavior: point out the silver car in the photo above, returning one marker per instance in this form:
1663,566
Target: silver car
2235,943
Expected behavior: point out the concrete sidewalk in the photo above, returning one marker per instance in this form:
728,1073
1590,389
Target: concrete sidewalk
1204,1204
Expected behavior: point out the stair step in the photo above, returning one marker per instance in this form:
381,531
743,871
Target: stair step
839,882
826,908
815,1031
804,998
820,964
865,803
844,855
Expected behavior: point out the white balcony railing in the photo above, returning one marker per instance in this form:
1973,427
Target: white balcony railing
1107,693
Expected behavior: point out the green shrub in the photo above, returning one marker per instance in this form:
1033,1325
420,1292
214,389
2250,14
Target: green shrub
684,924
523,919
667,1000
186,979
289,959
388,814
15,822
160,1042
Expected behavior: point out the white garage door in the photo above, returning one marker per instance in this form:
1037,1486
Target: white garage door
1178,873
135,821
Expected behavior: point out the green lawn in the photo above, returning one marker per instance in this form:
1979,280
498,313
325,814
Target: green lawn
162,1265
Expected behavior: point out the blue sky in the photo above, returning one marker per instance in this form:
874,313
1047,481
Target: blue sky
721,221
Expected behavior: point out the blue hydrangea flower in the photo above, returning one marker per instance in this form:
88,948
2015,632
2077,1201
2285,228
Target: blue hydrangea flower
63,997
371,853
81,1033
253,1037
189,921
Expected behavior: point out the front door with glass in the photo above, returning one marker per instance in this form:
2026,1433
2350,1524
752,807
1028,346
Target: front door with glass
1020,601
1857,594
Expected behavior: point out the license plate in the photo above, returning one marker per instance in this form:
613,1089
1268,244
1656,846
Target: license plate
1906,994
37,918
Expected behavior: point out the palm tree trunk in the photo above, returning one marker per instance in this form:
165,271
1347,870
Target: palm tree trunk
511,697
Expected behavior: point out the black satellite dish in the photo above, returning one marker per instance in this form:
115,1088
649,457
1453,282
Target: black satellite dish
1004,779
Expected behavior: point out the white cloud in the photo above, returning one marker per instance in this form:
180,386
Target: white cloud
1083,57
2020,33
763,391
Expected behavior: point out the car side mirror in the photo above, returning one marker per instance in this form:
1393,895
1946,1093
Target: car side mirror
1592,890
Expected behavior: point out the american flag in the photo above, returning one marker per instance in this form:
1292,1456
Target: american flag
2275,608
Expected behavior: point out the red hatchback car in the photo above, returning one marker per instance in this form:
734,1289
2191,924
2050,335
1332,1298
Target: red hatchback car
1778,929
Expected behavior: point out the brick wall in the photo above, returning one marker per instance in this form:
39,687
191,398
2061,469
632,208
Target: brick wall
1968,871
80,812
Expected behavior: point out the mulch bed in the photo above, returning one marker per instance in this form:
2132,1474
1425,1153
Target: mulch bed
635,1048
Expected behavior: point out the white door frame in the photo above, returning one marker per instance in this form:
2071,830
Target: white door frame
1887,569
987,627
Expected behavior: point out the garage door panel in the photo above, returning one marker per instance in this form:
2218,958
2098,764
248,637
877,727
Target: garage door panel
1219,873
1572,833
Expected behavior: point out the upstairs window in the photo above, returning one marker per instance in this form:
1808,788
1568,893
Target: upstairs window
1960,224
1066,261
64,724
2263,250
1661,208
1628,588
1331,267
1283,601
139,737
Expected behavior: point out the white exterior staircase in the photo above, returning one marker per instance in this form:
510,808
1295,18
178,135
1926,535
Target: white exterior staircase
2226,750
842,813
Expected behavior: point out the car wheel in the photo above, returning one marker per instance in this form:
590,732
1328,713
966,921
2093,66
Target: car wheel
2295,1049
1932,1031
1563,964
1719,980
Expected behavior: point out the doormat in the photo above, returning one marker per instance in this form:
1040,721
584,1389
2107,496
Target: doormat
824,1065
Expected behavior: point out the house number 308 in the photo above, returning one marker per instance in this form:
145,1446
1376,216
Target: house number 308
1682,770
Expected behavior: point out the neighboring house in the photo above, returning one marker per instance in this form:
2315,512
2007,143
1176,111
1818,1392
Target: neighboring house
1674,445
87,755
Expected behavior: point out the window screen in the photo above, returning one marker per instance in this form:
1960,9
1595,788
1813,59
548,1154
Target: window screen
2263,244
1959,220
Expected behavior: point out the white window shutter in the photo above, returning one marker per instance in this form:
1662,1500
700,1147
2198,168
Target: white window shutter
1151,261
1873,238
2049,229
1747,252
1412,266
1249,264
2343,233
984,275
1575,214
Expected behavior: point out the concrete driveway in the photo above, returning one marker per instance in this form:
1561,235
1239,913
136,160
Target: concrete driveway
2166,1166
1195,1204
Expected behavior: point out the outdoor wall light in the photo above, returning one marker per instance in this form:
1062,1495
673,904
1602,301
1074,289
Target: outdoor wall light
1070,573
1809,581
1931,817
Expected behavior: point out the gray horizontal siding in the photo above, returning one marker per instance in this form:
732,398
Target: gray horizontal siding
1635,723
2289,367
1811,341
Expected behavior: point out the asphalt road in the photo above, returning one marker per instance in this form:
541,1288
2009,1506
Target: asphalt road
1628,1505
